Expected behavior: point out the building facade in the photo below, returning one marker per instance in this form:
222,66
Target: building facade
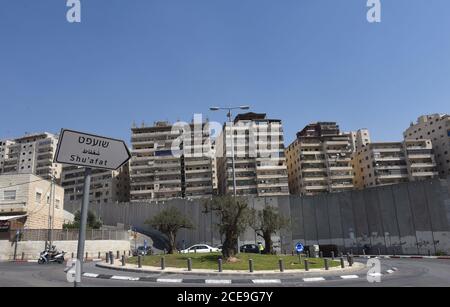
171,161
319,160
260,164
435,127
30,154
106,186
393,162
27,201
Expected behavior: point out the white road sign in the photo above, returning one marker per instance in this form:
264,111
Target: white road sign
83,149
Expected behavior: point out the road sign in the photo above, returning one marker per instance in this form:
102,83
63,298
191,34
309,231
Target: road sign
92,151
299,247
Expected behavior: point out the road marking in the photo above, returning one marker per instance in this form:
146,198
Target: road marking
266,281
390,271
166,280
349,276
90,275
375,274
32,261
217,281
125,278
313,279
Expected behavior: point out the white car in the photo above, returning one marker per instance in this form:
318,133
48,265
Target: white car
200,248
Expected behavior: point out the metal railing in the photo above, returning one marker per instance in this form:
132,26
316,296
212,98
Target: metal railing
68,234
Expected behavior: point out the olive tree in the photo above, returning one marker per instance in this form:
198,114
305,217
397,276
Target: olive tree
169,221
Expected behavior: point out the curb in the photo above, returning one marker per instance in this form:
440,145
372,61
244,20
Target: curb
403,257
235,281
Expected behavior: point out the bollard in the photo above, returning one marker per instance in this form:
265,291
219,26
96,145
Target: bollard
118,255
163,263
99,255
306,265
326,264
23,256
220,264
73,256
87,254
350,263
281,265
429,252
107,257
140,261
250,265
189,264
321,254
342,263
111,258
292,253
332,255
123,260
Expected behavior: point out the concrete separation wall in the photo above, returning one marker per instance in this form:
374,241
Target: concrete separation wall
409,218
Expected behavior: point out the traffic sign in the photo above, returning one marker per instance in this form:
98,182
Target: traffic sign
299,247
92,151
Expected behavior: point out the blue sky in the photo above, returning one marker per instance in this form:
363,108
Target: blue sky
147,60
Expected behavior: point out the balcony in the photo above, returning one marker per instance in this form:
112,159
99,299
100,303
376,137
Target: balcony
12,207
425,174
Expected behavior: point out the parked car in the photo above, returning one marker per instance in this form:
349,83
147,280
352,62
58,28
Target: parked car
200,248
249,248
142,251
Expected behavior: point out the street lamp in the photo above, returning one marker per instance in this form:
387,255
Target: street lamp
229,115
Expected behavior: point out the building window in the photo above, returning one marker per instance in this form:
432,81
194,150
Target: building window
38,197
9,195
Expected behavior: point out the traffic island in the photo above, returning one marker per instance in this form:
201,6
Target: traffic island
245,264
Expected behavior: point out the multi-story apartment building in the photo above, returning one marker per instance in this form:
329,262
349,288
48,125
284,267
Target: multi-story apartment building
171,161
26,201
106,186
260,164
30,154
319,160
393,162
435,127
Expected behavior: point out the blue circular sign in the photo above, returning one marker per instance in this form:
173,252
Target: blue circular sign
299,247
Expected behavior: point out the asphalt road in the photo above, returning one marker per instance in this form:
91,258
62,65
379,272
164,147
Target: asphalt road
411,273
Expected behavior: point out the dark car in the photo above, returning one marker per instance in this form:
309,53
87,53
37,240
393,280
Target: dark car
250,248
142,251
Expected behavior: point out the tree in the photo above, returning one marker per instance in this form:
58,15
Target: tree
234,217
92,221
169,221
267,222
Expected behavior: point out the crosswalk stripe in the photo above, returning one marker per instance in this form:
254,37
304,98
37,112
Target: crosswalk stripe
218,281
349,276
266,281
312,279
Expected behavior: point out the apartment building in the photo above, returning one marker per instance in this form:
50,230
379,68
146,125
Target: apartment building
26,201
171,161
387,163
435,127
260,164
319,160
30,154
106,186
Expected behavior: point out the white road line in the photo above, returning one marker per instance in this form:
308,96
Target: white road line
313,279
90,275
169,280
349,276
217,281
125,278
266,281
375,274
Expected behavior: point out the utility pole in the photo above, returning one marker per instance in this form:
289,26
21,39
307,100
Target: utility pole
230,123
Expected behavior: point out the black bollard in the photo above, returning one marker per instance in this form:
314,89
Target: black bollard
118,255
123,260
163,263
111,258
23,256
350,262
139,261
99,255
326,264
250,265
107,257
281,265
306,265
73,256
220,264
342,263
189,264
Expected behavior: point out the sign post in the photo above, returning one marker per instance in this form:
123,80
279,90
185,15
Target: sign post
92,152
299,248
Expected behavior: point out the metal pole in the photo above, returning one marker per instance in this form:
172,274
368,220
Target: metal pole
233,165
53,210
83,220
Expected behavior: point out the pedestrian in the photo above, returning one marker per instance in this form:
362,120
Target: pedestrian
260,247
